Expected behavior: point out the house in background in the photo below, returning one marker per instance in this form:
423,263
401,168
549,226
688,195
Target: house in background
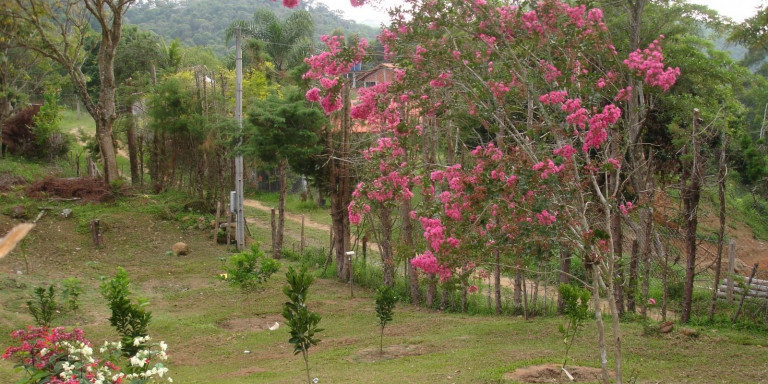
382,73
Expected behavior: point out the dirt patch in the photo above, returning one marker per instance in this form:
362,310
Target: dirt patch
551,373
83,188
370,355
252,323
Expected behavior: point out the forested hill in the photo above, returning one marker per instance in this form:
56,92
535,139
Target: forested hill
203,22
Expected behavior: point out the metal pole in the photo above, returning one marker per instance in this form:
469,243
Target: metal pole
240,229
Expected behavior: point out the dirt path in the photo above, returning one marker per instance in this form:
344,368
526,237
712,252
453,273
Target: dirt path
290,216
297,219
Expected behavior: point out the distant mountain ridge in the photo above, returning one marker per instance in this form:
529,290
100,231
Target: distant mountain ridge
203,22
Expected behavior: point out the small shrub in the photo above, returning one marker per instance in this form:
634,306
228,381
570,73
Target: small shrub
300,320
385,307
43,308
129,317
575,306
73,288
249,269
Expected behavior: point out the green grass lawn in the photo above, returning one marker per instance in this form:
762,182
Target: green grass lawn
208,323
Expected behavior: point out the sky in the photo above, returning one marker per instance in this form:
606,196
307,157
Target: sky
738,10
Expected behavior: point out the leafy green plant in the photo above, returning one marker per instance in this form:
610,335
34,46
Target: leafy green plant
300,320
385,307
575,306
129,317
249,269
43,308
73,288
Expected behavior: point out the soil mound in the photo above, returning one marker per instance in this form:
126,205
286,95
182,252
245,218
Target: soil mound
551,373
87,189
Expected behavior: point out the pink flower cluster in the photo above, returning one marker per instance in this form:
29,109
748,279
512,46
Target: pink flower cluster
427,263
546,218
649,63
367,99
598,127
554,97
566,151
549,168
433,232
328,68
626,208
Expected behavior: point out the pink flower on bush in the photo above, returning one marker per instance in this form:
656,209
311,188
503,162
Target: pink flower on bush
554,97
546,218
427,263
472,289
313,95
626,208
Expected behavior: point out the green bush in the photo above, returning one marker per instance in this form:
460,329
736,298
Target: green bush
43,308
249,269
129,317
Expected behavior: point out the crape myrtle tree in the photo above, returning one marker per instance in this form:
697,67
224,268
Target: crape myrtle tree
544,81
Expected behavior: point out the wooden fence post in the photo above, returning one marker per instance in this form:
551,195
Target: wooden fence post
731,268
96,233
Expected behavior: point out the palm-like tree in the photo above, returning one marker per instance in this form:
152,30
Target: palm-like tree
286,41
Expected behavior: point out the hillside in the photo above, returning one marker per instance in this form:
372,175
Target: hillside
203,22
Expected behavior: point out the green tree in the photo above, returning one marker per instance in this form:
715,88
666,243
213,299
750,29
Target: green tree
385,307
60,30
283,131
302,322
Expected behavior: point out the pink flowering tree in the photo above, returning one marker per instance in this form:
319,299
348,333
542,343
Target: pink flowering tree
329,69
543,83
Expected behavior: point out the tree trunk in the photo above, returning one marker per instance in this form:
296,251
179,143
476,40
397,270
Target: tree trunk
431,291
497,282
721,174
565,278
518,294
632,288
133,150
282,166
413,276
599,321
385,241
618,270
690,192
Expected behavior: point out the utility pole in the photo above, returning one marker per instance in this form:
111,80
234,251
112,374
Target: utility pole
240,229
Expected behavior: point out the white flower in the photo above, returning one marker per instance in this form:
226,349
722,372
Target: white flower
137,361
137,341
43,351
163,346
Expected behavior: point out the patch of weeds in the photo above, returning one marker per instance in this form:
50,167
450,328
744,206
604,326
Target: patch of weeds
73,289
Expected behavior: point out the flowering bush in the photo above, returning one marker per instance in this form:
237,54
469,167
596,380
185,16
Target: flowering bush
55,356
